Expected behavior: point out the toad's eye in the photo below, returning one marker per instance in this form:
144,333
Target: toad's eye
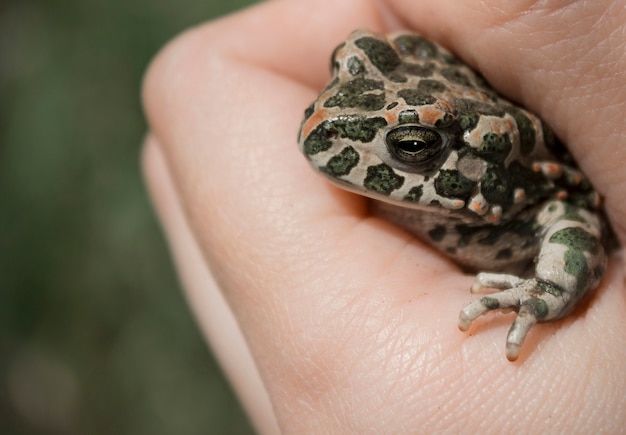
414,144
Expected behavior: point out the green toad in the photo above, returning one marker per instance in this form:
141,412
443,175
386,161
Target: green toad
484,181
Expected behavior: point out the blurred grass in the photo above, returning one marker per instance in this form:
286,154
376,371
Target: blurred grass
95,337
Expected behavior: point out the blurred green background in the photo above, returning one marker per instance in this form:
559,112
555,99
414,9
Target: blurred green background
95,336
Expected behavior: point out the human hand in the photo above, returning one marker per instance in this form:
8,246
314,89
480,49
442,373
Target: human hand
351,323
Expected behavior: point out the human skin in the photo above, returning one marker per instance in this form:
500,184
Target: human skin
329,320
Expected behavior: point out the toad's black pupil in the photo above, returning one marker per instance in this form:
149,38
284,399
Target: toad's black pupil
411,146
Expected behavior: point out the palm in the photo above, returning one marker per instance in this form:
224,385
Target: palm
351,322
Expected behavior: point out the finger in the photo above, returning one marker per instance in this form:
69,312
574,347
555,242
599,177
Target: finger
210,308
216,71
303,267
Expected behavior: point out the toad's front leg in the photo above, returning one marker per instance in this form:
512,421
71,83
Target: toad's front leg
570,264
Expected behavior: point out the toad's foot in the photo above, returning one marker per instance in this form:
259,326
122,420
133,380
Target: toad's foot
533,299
569,266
